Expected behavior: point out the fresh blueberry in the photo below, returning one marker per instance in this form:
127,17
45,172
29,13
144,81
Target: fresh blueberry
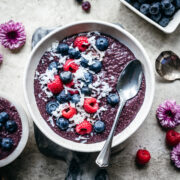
86,5
53,65
1,126
86,90
74,54
63,49
63,97
142,1
88,77
79,1
136,5
4,117
96,66
66,77
7,143
177,4
62,123
156,17
99,126
10,126
166,4
51,106
154,8
102,43
145,9
164,21
170,11
84,62
113,99
75,98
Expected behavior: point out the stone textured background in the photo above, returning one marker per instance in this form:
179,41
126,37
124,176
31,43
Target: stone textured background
31,165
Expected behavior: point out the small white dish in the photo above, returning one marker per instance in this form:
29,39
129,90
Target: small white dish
170,28
25,132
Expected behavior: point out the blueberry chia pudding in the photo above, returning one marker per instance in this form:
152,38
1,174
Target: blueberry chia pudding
10,128
75,87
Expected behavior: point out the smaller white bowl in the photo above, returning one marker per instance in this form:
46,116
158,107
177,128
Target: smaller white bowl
170,28
25,132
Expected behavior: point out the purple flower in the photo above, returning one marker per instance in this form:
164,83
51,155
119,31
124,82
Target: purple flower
12,35
175,155
1,58
168,114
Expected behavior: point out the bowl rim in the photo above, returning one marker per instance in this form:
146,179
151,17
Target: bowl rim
25,131
70,144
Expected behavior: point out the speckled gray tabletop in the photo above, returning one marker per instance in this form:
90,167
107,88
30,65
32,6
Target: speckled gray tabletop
32,165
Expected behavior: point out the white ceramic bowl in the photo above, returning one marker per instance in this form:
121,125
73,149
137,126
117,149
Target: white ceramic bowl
25,132
68,30
170,28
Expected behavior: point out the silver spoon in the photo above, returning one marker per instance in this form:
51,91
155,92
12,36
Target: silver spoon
168,65
127,87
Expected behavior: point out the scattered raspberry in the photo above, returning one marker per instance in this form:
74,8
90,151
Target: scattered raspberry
91,105
69,112
55,86
84,128
172,138
71,85
82,43
143,156
86,5
70,65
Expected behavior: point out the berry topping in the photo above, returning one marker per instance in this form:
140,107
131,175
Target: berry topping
72,90
84,128
113,99
82,43
51,106
166,4
53,65
143,156
88,77
86,90
86,5
164,21
154,8
62,123
69,112
75,98
55,86
84,62
63,49
66,77
63,97
102,43
145,8
99,126
7,143
4,117
74,54
175,153
10,126
90,105
170,11
96,66
70,65
172,138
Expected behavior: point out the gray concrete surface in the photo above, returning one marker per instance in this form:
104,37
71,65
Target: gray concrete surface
31,165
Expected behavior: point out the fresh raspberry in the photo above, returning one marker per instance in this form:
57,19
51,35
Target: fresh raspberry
69,112
172,138
71,85
82,43
91,105
143,156
55,86
70,66
84,128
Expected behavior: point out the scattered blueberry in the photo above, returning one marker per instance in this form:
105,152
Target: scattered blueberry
10,126
62,123
86,90
96,66
156,17
164,21
74,54
102,43
170,11
166,4
88,77
113,99
145,9
136,5
99,126
66,77
1,126
51,106
52,65
63,49
154,8
84,62
79,1
86,5
4,117
7,143
63,96
75,98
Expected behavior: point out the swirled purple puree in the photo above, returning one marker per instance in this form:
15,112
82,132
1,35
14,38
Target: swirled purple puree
114,59
6,106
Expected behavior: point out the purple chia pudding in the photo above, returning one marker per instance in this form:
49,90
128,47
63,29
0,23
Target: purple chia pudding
114,58
9,131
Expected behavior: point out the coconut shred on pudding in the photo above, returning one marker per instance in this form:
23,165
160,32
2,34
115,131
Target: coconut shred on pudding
75,87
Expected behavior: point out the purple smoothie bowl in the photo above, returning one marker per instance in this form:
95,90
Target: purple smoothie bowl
59,34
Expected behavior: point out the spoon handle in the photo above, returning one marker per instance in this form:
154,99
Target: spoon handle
103,157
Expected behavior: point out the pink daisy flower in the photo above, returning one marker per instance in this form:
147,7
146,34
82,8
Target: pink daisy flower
168,114
175,155
1,58
12,35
